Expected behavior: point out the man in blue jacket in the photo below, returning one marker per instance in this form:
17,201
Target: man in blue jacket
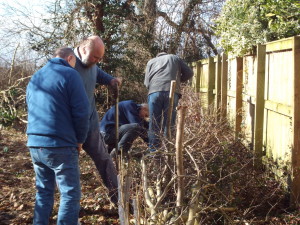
57,127
88,54
132,125
160,71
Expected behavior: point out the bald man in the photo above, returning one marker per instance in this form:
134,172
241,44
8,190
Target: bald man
88,54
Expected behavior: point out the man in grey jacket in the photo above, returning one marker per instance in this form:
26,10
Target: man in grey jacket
160,71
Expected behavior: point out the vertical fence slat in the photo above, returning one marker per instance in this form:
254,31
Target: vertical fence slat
211,81
260,104
224,76
296,124
268,101
239,96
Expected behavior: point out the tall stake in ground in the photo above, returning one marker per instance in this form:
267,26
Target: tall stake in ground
179,154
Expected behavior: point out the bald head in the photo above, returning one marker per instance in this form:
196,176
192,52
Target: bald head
91,50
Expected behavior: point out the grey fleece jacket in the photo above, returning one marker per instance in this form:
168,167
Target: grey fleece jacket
90,77
160,71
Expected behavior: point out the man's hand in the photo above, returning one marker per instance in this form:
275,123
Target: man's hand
115,85
79,147
116,82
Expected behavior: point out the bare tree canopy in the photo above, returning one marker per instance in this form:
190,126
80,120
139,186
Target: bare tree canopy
181,27
133,32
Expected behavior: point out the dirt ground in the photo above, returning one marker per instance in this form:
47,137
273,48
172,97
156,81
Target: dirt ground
17,186
17,191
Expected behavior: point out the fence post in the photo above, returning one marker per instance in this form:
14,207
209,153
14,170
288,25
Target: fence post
224,76
218,85
259,104
211,83
295,197
238,96
197,77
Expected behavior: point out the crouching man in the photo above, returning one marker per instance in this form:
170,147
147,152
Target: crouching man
132,124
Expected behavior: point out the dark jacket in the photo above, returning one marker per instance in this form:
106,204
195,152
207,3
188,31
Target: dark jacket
128,113
57,106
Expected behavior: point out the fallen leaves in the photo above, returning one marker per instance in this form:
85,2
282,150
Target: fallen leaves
17,186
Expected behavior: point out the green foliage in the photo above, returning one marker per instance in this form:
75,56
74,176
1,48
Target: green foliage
7,118
5,149
12,97
8,111
246,23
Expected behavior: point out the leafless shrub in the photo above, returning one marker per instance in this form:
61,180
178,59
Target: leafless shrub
14,77
221,185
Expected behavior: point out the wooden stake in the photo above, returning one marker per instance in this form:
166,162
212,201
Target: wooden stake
179,154
170,110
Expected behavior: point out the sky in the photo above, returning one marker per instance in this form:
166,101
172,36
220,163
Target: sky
11,37
32,4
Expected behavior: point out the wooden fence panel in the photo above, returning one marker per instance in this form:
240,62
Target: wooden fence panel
249,98
278,130
204,83
234,94
211,83
196,66
207,83
260,97
231,91
218,77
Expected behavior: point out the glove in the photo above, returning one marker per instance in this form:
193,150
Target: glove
114,82
115,91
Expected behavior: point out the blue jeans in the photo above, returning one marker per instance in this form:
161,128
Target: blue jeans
128,133
158,103
56,166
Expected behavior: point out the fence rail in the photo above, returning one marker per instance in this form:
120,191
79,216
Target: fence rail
259,94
